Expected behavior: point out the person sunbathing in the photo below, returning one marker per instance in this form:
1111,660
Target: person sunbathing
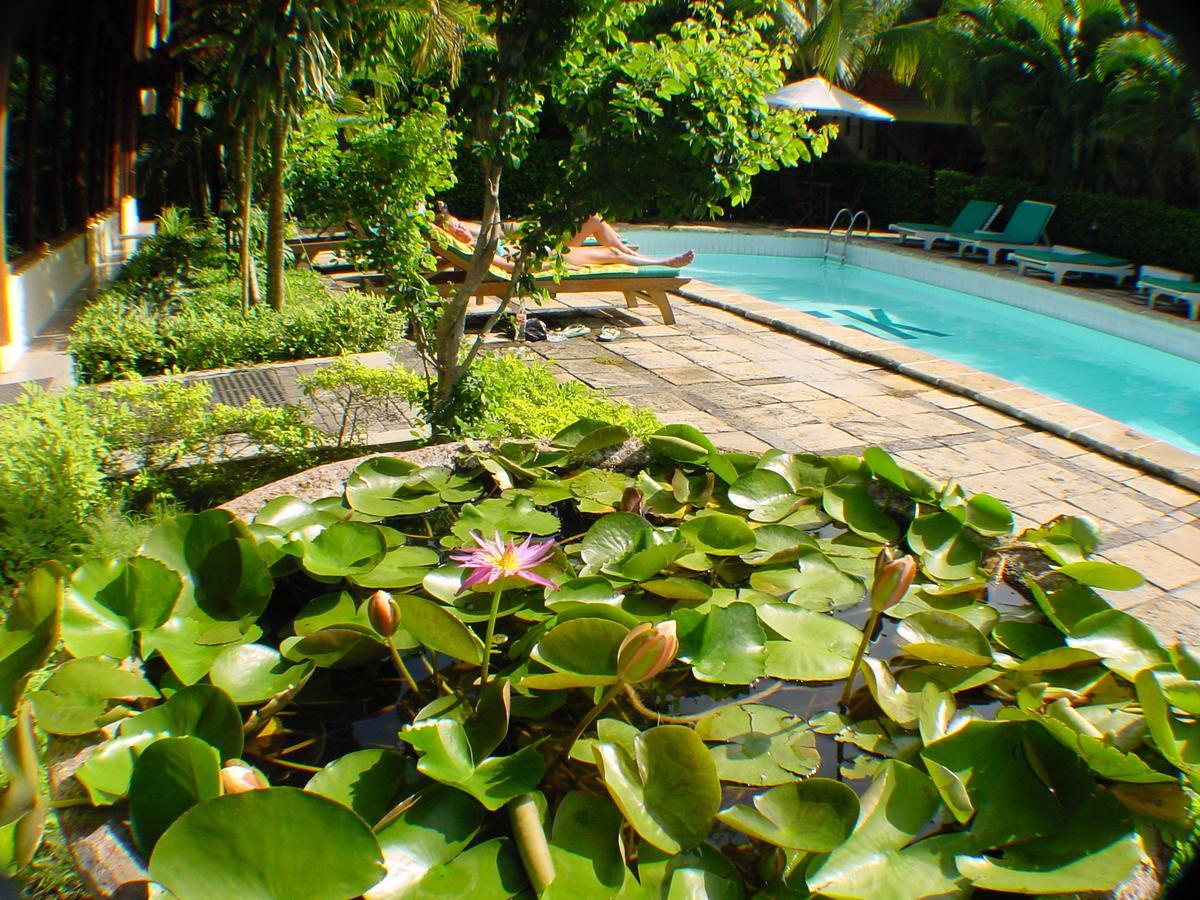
609,249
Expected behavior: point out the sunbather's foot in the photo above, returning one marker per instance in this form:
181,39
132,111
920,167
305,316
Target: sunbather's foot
683,259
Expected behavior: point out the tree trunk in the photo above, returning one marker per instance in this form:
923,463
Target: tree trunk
58,206
275,220
6,56
33,102
249,276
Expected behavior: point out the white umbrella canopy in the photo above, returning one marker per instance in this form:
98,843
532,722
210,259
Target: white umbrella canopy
820,96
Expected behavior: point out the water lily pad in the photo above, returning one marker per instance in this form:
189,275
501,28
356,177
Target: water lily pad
250,845
880,860
1108,576
776,544
488,871
290,514
589,435
504,516
644,564
80,691
945,548
384,486
943,638
29,631
401,567
335,647
1067,604
759,488
1127,645
600,486
725,645
347,548
815,815
816,646
687,590
852,504
108,600
1177,741
759,745
370,782
682,443
1067,539
585,847
614,537
989,516
254,673
170,777
982,615
198,710
667,788
584,646
438,629
905,480
899,705
719,534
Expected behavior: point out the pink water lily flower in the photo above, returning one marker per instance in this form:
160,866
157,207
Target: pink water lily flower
492,560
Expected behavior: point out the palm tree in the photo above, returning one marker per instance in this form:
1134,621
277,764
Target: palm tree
838,39
1059,85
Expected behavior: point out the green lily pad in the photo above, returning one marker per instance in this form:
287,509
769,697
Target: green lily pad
1067,604
384,486
880,860
982,615
1108,576
1067,539
488,871
644,564
905,480
613,538
759,488
943,638
815,815
330,609
945,548
989,516
249,845
589,435
897,704
438,629
80,691
600,486
725,645
584,646
400,567
585,847
335,647
290,514
254,673
1177,741
667,789
170,777
29,632
346,548
108,600
198,710
852,504
719,534
1127,645
777,544
759,745
508,516
370,782
190,642
682,443
816,647
686,590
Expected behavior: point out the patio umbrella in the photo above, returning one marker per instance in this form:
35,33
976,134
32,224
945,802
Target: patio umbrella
820,96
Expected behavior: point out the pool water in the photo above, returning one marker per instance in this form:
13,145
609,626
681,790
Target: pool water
1148,389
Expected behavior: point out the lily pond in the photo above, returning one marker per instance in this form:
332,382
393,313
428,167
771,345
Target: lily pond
593,667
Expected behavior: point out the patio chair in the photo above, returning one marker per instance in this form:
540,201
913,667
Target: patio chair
634,283
1026,229
1178,286
1060,260
976,215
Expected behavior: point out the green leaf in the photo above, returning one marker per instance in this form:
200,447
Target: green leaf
582,646
776,544
499,779
214,553
346,548
1178,742
989,516
851,504
1127,645
291,514
1096,849
335,647
759,745
585,847
29,632
908,482
438,629
507,516
815,815
427,834
1067,604
385,486
370,782
251,845
686,590
944,546
1107,576
254,673
897,704
943,638
759,488
682,443
445,751
589,435
816,646
667,789
108,768
401,567
488,871
725,645
1065,540
880,861
190,642
79,692
198,710
107,600
613,538
170,777
821,585
717,533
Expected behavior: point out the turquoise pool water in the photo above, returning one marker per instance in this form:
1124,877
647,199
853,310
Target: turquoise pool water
1153,391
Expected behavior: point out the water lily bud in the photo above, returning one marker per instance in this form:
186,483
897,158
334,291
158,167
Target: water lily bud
893,577
382,611
646,651
237,779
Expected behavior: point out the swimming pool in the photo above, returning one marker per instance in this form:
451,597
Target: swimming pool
1147,388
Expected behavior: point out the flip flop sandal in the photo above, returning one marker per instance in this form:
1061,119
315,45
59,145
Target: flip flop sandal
571,331
608,333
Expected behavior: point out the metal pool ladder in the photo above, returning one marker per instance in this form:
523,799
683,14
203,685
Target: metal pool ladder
853,217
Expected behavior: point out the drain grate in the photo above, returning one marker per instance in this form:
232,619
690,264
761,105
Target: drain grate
236,388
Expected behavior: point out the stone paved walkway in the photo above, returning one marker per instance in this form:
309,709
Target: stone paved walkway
750,387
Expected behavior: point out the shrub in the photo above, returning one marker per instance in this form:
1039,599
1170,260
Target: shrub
115,337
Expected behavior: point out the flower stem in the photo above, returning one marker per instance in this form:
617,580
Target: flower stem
591,717
487,641
401,667
868,630
531,841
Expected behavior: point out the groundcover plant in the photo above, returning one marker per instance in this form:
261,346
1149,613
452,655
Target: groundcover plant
594,668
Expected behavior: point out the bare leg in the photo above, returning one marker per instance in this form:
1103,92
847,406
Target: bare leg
605,235
598,256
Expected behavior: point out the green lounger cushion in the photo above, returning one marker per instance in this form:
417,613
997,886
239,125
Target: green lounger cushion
1082,259
597,273
974,215
1170,284
1025,227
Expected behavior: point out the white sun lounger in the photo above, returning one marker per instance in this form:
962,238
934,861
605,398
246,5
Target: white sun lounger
1180,286
1060,260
